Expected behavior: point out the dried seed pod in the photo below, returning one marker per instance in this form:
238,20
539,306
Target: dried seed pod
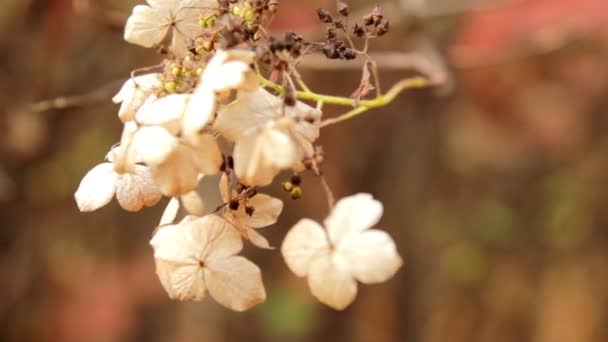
359,31
233,205
342,8
324,16
296,180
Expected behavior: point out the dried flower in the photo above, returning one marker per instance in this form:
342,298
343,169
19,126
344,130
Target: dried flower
345,251
148,24
198,256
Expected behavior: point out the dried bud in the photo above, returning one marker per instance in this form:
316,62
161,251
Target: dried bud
252,192
331,52
233,205
331,34
324,16
273,6
296,193
290,97
358,31
377,15
343,8
296,180
339,24
287,186
382,29
349,54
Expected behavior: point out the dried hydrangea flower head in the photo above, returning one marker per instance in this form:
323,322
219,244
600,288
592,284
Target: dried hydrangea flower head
345,251
211,90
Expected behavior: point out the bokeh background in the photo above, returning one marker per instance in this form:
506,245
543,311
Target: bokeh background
495,184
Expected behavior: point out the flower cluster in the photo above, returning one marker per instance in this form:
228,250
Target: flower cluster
208,111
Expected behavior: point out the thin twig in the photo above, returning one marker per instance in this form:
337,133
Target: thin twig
64,102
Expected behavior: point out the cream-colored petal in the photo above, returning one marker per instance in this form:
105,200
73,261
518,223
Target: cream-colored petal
266,211
154,144
306,240
193,203
225,190
235,282
125,155
167,112
219,238
353,214
247,114
247,232
330,281
205,153
164,270
278,149
146,26
188,283
175,244
177,174
170,212
134,92
256,238
96,188
251,153
199,112
134,191
371,256
228,76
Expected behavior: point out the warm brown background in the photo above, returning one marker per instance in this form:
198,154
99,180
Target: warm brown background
495,186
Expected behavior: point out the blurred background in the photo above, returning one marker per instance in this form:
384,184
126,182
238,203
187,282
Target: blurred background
494,184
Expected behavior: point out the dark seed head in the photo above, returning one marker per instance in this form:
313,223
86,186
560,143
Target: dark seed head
324,16
296,180
233,205
343,8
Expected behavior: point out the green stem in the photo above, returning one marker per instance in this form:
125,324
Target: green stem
360,106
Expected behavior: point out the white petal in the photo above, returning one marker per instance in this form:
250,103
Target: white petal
193,203
167,111
170,212
199,112
371,256
278,148
188,283
175,244
302,244
217,235
96,188
146,26
256,238
330,281
125,156
251,110
258,159
235,282
205,153
266,211
134,191
154,144
225,189
247,232
353,214
164,270
134,92
177,174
